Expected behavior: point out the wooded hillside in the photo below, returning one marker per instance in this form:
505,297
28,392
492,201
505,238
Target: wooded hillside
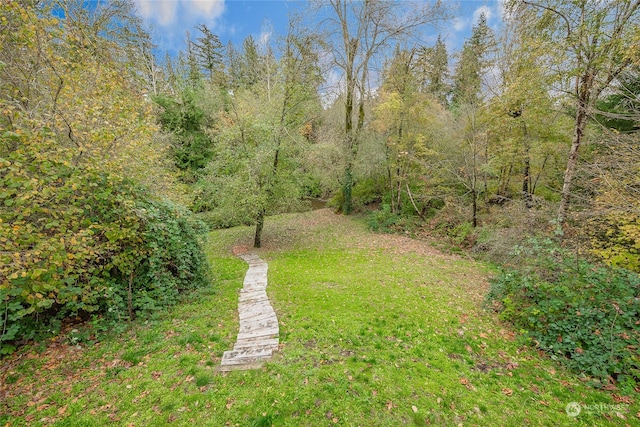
521,147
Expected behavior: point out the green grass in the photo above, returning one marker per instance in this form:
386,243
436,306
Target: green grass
375,331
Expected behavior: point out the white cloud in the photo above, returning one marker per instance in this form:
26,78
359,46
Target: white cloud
211,8
263,38
160,12
165,13
488,13
459,24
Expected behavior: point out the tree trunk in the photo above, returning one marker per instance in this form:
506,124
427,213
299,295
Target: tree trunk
474,183
526,176
572,162
347,190
257,240
535,183
526,182
475,208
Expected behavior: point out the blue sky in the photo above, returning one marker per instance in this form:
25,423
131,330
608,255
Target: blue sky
234,20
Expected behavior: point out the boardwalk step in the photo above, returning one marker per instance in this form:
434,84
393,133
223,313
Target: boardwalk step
258,334
256,343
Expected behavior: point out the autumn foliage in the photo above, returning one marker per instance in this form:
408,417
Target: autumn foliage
79,235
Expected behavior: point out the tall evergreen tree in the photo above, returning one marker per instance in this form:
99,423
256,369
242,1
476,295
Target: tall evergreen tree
190,65
433,66
250,64
467,81
466,101
207,50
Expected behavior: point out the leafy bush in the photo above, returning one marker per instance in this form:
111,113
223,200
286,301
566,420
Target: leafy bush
75,241
367,191
585,313
383,219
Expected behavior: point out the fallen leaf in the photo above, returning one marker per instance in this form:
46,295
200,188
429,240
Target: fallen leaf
414,409
466,383
507,391
622,399
335,420
389,405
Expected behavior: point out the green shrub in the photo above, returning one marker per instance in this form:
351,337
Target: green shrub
77,241
175,260
382,219
367,191
587,314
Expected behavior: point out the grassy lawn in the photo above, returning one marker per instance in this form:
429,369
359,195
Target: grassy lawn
376,330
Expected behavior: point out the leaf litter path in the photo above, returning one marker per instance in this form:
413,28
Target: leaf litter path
258,335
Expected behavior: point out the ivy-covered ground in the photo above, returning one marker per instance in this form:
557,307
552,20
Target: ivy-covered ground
375,330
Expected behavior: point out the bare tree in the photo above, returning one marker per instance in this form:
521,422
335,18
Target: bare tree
593,40
360,33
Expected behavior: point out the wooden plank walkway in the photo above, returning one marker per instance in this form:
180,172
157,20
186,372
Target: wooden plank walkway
258,335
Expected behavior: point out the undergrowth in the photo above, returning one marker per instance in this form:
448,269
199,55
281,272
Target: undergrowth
583,314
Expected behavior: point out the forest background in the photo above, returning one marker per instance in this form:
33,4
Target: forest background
520,148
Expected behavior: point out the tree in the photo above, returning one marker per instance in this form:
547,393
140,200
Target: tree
469,70
80,233
250,67
621,110
185,119
467,100
525,130
591,41
433,65
409,121
207,50
256,167
188,67
360,32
